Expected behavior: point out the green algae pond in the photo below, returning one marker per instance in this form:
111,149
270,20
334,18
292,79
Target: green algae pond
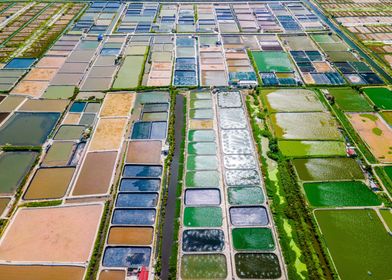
202,148
28,129
257,266
358,242
203,217
245,195
206,266
312,148
14,166
305,126
201,135
128,75
292,100
258,239
202,162
200,179
340,194
327,169
59,153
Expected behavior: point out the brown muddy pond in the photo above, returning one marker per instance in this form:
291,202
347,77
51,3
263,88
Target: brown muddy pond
96,173
144,152
130,235
41,272
49,183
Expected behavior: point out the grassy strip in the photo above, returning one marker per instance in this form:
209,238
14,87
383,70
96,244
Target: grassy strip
384,178
171,140
10,148
42,203
252,60
174,253
288,205
141,75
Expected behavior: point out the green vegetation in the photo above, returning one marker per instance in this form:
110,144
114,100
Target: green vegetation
349,100
351,133
303,250
252,60
355,256
42,203
385,175
380,96
377,131
174,253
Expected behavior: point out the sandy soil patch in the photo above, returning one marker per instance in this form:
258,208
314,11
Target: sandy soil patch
375,132
108,134
41,74
117,104
44,105
51,62
31,88
57,234
200,124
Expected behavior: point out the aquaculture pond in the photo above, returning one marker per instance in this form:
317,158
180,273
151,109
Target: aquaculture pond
139,185
245,195
305,126
203,217
312,148
142,170
257,266
236,141
69,132
340,194
201,162
14,166
137,200
292,100
130,235
258,239
203,240
28,129
248,216
206,266
201,148
202,197
149,130
59,154
239,162
354,237
126,256
200,179
201,135
232,118
134,216
236,177
327,169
